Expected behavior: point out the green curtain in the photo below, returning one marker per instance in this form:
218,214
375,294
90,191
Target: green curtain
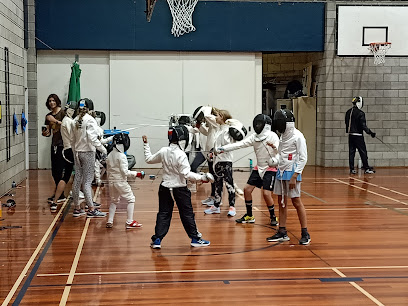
74,93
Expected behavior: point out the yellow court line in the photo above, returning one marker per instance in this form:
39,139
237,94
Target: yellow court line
222,270
378,194
360,289
74,266
375,185
33,256
68,287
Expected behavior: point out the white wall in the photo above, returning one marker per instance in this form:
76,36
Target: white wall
144,88
53,73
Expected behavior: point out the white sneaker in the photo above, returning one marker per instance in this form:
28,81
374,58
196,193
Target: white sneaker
232,212
208,201
212,210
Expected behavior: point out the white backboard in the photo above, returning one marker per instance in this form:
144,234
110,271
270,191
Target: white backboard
358,26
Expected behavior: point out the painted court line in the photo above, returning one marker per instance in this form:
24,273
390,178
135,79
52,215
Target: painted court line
375,185
223,270
369,191
33,256
74,266
67,288
360,289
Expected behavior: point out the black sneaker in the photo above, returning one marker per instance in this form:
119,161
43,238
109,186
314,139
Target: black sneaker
278,237
246,219
95,214
305,240
352,171
274,221
369,171
51,199
53,206
62,198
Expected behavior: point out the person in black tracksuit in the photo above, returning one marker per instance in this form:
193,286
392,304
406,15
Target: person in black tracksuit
355,125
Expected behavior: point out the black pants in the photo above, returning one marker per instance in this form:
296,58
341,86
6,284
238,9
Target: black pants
182,196
211,170
60,168
223,172
198,160
357,142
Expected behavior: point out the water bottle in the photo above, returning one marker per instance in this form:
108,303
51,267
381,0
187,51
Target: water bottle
13,188
250,165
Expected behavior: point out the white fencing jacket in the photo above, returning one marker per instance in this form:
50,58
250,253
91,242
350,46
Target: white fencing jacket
86,137
210,129
117,166
292,150
263,152
66,130
222,139
176,168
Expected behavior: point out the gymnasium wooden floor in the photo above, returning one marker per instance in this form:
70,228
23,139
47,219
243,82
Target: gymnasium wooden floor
358,254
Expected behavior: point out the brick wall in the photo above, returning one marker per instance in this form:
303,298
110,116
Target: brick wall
12,37
339,79
385,92
33,128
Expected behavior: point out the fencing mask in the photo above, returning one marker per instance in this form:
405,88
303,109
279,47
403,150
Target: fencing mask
70,108
237,130
259,122
121,139
280,118
179,134
358,101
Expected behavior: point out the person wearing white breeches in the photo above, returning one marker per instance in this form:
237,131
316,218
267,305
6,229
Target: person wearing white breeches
119,188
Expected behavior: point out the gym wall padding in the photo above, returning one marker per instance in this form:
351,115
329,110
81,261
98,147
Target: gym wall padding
221,26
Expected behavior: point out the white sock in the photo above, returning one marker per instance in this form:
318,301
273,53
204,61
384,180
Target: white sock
112,209
130,209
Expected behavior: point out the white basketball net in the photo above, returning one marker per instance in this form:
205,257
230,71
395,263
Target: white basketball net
379,50
182,12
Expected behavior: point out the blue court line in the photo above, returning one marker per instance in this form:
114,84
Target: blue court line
323,280
30,277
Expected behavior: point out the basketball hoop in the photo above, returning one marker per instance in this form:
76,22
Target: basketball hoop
379,50
182,12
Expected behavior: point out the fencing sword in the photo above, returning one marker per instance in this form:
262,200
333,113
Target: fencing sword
389,146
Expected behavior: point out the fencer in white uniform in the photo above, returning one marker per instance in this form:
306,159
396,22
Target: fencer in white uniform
292,160
100,158
264,173
206,114
176,170
119,188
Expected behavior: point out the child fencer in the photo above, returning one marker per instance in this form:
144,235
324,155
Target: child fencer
264,173
119,188
100,159
176,170
206,114
292,160
223,165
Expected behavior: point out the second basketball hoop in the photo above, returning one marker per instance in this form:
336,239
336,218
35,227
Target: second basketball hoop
379,49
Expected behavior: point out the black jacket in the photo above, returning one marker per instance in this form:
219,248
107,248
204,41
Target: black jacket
357,122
